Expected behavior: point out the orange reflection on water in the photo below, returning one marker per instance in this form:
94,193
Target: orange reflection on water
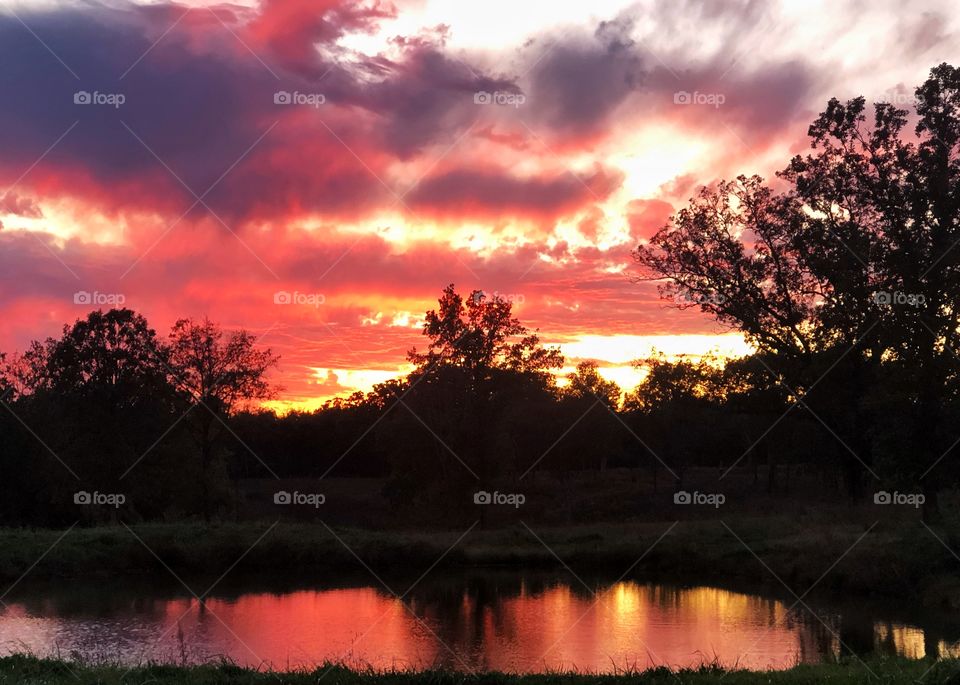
906,641
359,626
630,625
504,625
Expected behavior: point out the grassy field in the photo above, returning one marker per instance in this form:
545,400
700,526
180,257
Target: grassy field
23,669
886,558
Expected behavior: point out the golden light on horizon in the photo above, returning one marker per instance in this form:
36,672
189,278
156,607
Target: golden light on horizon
623,349
614,355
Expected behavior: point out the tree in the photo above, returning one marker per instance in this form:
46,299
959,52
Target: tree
482,334
853,267
100,400
586,382
113,354
456,423
215,373
595,433
669,408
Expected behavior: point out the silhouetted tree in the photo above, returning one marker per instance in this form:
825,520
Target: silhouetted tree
455,423
669,407
587,404
215,373
586,382
100,399
481,334
851,267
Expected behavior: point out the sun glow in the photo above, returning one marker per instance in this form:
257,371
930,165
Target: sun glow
623,349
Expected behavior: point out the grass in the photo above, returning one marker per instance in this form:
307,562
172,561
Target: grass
892,559
21,669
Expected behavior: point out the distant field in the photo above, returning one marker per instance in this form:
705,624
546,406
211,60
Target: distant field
615,495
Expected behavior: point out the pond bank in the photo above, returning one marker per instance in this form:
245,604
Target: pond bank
880,559
17,669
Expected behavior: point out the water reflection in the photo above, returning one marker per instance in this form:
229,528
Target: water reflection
505,623
900,639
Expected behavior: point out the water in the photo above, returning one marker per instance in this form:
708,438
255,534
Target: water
505,622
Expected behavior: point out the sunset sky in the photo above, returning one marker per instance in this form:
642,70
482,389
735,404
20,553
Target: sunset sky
200,158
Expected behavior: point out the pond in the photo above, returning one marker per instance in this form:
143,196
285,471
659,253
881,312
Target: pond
496,621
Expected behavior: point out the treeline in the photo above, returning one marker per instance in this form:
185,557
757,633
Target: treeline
171,425
845,278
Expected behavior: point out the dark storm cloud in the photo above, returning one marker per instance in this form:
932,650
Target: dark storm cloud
200,96
487,194
578,82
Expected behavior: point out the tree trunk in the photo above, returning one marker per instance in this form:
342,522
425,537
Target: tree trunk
206,459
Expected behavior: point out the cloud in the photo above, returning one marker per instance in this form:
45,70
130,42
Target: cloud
330,385
492,192
17,205
199,110
577,83
646,217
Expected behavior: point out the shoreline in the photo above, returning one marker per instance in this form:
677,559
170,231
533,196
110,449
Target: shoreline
29,669
889,559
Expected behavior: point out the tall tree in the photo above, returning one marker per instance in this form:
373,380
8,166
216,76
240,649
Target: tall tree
215,373
459,414
114,354
479,334
854,266
100,400
588,402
